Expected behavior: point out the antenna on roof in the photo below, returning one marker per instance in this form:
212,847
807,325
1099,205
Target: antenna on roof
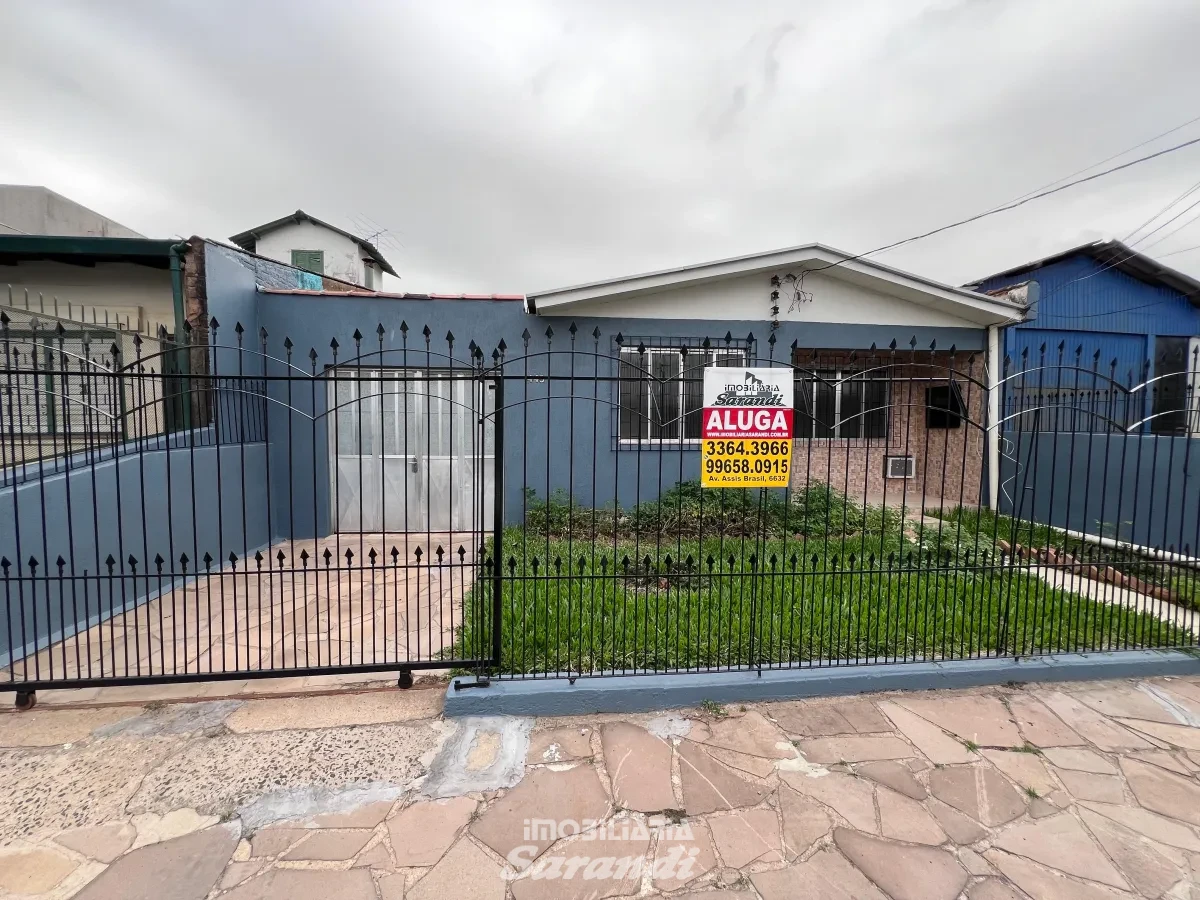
372,232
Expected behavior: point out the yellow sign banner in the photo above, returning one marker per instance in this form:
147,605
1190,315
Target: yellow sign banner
745,463
746,427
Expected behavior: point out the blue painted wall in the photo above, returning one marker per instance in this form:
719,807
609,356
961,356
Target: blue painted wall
1152,485
142,504
538,421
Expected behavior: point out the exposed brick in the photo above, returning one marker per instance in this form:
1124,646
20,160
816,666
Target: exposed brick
948,462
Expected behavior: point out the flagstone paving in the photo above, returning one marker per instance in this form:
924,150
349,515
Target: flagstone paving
1062,792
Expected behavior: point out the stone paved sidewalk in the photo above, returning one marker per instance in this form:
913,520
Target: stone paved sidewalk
1063,792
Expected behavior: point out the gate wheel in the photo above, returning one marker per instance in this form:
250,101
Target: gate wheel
405,679
26,700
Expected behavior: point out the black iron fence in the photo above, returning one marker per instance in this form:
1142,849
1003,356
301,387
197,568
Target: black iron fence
232,507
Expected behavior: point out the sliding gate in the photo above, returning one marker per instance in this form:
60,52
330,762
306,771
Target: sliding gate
232,507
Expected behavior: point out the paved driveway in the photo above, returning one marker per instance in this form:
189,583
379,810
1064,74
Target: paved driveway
1076,791
247,617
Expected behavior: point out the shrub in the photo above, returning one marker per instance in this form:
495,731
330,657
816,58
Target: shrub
687,510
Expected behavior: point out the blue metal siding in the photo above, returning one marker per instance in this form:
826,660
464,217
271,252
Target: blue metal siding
1082,295
1128,350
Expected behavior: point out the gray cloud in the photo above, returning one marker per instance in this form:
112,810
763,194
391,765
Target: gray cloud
533,143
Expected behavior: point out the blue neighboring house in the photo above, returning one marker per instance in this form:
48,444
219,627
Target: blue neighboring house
1142,317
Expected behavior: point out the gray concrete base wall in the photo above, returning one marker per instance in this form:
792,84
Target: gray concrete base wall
644,693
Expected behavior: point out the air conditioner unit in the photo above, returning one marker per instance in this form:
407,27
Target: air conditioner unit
899,467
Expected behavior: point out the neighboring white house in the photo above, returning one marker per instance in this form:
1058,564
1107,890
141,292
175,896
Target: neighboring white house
316,246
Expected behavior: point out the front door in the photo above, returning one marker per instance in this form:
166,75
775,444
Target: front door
412,454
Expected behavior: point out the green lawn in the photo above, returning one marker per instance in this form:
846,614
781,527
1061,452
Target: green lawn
571,604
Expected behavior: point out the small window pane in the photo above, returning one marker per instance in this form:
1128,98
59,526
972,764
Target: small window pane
850,424
664,395
875,419
391,399
803,389
693,392
824,404
346,416
633,425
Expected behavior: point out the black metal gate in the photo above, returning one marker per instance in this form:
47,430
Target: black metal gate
234,506
210,510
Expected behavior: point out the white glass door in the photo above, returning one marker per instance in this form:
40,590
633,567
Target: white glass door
414,451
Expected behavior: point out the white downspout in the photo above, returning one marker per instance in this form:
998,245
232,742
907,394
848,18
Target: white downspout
993,416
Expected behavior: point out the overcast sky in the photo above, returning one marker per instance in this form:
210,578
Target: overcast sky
516,145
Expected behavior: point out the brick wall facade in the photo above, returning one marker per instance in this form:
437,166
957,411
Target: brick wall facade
948,461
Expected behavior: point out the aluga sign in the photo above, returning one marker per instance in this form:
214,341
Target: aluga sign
746,427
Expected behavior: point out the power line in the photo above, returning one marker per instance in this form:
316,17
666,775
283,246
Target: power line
1174,230
1112,312
1008,206
1110,158
1184,250
1178,199
1118,262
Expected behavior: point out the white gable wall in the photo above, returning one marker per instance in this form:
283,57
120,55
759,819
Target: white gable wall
343,257
748,297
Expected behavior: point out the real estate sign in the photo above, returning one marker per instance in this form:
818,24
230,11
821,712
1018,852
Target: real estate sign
746,427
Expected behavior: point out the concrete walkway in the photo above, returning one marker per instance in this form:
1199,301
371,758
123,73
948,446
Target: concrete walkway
1064,792
1067,579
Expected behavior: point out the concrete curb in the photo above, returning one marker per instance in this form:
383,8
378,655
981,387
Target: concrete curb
643,693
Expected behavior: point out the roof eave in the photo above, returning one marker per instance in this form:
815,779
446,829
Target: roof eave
1117,255
145,251
814,257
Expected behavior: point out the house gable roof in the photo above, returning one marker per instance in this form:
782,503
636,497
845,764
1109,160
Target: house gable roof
1116,255
248,240
969,305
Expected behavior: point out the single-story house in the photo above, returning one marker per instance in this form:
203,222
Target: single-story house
891,371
